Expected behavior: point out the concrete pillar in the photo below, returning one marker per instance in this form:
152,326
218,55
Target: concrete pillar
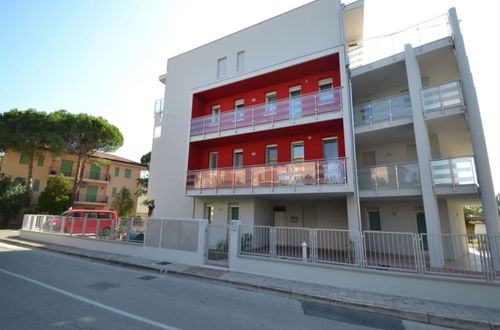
233,242
473,115
352,200
424,157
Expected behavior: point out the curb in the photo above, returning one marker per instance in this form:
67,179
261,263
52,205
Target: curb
421,317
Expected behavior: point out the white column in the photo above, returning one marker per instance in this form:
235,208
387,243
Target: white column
233,242
423,145
477,134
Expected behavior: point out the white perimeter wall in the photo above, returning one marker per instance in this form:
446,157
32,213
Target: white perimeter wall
287,39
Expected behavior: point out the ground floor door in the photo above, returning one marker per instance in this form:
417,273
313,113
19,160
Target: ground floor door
422,228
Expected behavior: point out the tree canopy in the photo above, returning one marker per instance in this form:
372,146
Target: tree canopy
123,203
13,197
83,135
55,198
31,132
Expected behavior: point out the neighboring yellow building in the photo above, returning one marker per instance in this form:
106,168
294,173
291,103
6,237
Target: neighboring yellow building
101,182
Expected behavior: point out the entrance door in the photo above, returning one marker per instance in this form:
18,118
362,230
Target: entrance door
422,228
310,216
279,216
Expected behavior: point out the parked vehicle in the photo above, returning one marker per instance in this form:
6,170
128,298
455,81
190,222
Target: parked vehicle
97,222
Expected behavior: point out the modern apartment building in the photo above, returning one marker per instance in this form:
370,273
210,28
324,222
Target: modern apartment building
104,176
298,122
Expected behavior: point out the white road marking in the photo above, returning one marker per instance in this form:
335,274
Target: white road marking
92,302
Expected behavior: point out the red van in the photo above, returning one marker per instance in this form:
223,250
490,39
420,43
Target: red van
76,220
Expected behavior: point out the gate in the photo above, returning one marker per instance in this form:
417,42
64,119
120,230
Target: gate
218,245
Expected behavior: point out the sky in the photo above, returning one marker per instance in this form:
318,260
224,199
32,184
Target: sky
103,57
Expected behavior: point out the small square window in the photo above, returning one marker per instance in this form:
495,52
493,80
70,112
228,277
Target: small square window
221,67
128,173
117,171
25,158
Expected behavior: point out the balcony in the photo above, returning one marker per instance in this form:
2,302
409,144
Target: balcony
381,111
91,199
308,176
454,175
307,108
442,100
402,179
87,176
377,48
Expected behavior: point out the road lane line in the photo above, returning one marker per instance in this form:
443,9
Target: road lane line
92,302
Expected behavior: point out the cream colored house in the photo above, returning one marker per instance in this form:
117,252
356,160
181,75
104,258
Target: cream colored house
104,176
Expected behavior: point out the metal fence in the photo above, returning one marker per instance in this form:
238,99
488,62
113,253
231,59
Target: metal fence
122,229
455,255
217,244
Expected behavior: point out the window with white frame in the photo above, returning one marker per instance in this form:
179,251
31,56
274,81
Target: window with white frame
298,151
271,154
240,61
233,211
270,99
221,67
238,158
215,113
325,87
212,160
239,113
330,148
295,101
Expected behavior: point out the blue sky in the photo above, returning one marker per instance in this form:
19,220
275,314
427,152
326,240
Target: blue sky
104,57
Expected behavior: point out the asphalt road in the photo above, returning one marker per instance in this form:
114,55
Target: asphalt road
42,290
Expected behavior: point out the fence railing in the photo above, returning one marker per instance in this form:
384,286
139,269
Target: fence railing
307,105
88,175
454,172
90,198
374,49
307,173
466,256
122,229
442,97
391,176
386,109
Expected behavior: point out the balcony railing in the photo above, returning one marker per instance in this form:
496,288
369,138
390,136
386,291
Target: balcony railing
391,176
308,173
291,109
387,109
454,172
442,97
89,198
378,48
70,173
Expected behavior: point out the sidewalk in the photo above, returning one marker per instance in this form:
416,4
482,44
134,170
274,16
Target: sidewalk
425,311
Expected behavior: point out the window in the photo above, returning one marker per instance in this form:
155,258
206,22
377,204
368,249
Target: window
330,148
295,101
41,161
215,113
238,109
234,211
91,194
238,158
271,154
374,220
212,161
298,151
369,158
221,67
36,185
117,171
113,192
270,98
209,213
128,173
102,215
67,167
95,172
325,90
25,158
240,61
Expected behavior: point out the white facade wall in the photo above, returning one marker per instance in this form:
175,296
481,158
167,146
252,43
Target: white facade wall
279,42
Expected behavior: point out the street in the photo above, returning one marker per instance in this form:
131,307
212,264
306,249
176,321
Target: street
42,290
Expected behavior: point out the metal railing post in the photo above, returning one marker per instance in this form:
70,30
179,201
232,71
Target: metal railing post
390,109
397,176
316,105
272,177
371,114
72,227
376,179
452,173
84,230
98,228
251,179
253,118
272,242
234,179
317,174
